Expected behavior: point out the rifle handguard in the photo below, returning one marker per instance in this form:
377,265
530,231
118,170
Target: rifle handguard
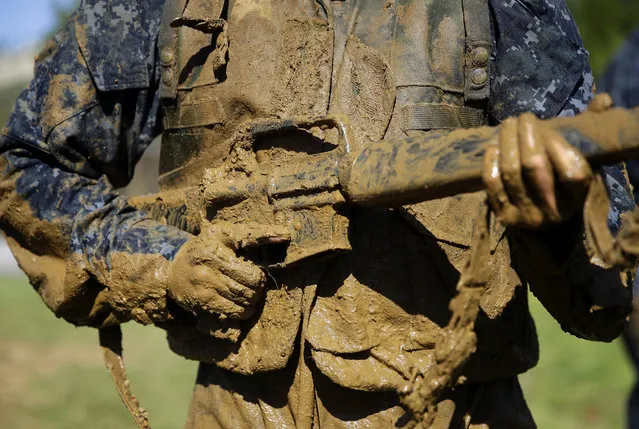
437,165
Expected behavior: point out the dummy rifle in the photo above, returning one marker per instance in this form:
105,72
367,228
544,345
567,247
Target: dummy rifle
311,196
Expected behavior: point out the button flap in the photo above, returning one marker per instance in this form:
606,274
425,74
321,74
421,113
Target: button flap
117,41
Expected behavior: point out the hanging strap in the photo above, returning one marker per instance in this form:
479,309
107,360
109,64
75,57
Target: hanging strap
111,345
457,341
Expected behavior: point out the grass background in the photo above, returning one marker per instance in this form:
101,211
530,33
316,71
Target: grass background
52,375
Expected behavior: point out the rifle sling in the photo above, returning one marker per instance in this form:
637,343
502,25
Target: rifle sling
111,345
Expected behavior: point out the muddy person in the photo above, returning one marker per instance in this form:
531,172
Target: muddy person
327,342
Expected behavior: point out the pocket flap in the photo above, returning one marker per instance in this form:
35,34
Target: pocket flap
117,40
452,219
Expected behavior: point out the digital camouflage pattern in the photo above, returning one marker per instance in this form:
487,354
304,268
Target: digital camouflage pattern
78,130
541,66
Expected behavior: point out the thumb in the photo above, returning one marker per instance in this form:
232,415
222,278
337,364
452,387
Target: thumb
601,103
241,236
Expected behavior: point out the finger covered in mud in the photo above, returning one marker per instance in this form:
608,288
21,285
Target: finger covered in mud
506,212
518,207
536,166
230,265
244,235
573,171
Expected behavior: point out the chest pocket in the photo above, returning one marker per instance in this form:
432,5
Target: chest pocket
193,45
227,63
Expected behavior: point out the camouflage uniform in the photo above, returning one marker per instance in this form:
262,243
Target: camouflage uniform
77,131
621,81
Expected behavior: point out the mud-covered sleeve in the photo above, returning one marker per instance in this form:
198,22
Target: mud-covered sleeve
597,300
541,66
74,135
587,297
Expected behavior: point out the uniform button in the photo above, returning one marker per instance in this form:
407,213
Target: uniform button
479,76
167,76
166,56
480,56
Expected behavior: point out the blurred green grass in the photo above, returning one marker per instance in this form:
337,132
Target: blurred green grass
577,384
52,376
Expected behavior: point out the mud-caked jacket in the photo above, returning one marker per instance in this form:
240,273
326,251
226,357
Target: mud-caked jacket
394,68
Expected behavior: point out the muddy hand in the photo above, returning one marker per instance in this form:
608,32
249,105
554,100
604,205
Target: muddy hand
207,276
533,177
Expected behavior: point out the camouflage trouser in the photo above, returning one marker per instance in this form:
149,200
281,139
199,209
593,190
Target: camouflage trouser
280,400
